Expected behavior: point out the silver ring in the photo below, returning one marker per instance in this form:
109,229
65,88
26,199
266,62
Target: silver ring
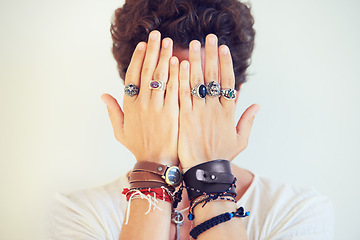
228,93
157,85
199,91
131,90
213,89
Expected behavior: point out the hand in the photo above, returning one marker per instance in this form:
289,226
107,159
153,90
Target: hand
207,126
148,126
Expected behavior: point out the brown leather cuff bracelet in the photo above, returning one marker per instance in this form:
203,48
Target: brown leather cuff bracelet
146,180
150,171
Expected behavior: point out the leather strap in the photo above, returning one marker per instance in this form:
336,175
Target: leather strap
152,167
210,177
148,184
144,177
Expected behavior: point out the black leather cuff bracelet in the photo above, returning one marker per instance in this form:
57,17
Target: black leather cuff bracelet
211,178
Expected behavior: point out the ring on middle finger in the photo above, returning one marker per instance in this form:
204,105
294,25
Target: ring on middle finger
157,85
199,91
213,89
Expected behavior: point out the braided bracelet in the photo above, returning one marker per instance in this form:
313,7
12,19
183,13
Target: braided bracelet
208,198
217,220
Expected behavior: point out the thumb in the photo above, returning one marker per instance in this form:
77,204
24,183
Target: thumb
116,115
245,124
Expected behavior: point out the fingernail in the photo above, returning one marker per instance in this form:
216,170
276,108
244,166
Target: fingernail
140,46
256,110
211,40
196,46
185,65
153,35
224,50
102,99
166,43
173,61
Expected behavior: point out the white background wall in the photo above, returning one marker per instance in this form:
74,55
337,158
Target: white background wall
55,62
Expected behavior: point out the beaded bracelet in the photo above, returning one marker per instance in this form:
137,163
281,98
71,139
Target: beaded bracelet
196,231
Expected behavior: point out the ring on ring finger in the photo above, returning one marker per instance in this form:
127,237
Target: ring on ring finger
199,91
228,93
157,85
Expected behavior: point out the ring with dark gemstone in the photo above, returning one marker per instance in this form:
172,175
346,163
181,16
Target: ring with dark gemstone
157,85
213,89
131,90
199,91
228,93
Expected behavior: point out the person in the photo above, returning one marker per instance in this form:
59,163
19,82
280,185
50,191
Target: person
183,62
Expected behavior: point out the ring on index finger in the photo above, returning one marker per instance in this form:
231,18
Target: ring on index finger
131,90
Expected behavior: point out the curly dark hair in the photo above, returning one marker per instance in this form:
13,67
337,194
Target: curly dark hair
184,21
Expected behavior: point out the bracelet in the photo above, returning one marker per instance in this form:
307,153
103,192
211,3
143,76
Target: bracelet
196,231
210,177
160,193
206,199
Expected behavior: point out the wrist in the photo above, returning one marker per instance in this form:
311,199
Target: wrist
165,160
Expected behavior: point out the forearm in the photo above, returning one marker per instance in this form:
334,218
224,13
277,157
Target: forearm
232,229
154,225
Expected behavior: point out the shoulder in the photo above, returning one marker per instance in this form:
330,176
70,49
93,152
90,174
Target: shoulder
286,211
96,212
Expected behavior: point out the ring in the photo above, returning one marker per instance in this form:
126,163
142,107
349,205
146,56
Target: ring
213,89
228,93
131,90
199,91
157,85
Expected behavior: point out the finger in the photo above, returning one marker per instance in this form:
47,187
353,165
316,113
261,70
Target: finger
245,124
226,74
116,115
184,87
196,72
134,70
211,70
172,88
211,59
149,65
162,70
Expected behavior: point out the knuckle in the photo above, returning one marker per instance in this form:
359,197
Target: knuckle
228,79
212,75
198,78
244,144
117,137
171,86
184,92
250,122
148,70
160,75
130,75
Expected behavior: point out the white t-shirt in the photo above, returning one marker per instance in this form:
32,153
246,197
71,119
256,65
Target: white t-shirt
278,211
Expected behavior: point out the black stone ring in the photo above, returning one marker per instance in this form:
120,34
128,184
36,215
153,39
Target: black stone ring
131,90
228,93
199,91
213,89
